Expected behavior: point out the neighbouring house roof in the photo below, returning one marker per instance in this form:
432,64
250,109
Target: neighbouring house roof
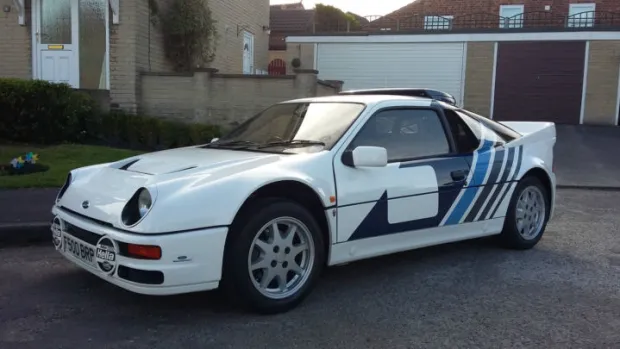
287,22
413,8
291,6
290,20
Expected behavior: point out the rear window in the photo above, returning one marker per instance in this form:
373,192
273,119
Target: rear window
503,131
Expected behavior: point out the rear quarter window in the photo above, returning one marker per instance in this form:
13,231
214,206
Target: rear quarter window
505,132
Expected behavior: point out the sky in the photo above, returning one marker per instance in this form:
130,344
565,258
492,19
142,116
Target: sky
360,7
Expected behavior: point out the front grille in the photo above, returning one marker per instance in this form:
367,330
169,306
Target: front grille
82,234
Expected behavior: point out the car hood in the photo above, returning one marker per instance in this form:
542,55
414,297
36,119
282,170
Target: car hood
108,187
184,159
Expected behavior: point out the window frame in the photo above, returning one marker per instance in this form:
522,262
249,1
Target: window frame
502,24
581,22
467,126
347,153
505,133
448,19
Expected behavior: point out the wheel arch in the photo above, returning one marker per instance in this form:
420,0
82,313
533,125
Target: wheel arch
542,175
295,191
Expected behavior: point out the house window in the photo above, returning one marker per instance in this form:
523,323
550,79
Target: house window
437,22
511,16
581,15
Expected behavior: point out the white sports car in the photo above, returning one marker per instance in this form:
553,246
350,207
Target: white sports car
305,184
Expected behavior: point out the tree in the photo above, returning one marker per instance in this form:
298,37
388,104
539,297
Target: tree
330,18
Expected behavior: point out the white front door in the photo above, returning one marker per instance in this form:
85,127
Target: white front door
413,192
56,41
248,53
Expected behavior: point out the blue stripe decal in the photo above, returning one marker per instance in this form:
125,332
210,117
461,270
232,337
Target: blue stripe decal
480,169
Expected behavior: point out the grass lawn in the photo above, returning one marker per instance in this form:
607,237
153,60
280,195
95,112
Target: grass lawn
60,159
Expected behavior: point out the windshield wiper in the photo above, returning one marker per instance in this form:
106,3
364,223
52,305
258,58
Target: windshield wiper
243,144
296,142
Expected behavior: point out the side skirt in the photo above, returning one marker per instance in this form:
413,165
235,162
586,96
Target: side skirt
349,251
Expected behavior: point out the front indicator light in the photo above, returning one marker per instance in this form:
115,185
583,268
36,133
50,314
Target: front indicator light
144,251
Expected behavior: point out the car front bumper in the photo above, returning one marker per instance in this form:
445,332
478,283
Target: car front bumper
190,261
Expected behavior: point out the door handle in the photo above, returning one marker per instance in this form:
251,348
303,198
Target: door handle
459,175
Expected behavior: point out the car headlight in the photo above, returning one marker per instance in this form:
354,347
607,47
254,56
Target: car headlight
144,202
137,207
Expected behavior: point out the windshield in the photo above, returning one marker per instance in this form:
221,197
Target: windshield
307,126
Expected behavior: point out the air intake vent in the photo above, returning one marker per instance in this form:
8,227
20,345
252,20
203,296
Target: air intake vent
126,166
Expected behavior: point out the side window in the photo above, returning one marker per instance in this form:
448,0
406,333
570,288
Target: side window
466,140
405,133
504,132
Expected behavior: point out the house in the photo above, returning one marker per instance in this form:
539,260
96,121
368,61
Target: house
507,59
285,20
294,19
435,12
107,44
292,6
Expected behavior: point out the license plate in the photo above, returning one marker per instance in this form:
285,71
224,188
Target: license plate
79,250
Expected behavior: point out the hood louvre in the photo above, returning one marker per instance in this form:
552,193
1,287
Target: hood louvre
126,166
183,169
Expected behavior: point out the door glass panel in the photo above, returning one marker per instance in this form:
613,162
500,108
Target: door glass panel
55,22
93,70
405,133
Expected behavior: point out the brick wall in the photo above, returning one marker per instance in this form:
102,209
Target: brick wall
479,77
305,52
464,7
150,46
223,99
234,16
602,83
15,44
123,57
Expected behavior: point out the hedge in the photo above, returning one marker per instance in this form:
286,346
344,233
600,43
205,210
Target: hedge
40,112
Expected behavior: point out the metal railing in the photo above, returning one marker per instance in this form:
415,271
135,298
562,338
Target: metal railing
473,22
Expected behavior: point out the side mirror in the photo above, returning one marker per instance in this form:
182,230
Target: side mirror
365,156
214,140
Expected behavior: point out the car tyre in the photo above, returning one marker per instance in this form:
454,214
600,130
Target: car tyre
527,215
251,244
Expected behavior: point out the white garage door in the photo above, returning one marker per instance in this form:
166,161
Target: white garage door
376,65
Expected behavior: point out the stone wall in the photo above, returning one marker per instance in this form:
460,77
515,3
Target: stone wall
224,99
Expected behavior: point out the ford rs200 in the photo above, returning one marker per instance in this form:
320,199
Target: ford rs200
303,185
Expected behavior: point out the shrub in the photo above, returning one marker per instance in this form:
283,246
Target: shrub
36,111
119,129
40,112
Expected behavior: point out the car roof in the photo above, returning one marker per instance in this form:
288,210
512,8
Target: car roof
365,99
393,89
378,89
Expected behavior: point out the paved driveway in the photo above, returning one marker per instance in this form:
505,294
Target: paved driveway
588,155
562,294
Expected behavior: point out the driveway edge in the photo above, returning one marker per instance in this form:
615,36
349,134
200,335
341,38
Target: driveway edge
588,187
29,233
